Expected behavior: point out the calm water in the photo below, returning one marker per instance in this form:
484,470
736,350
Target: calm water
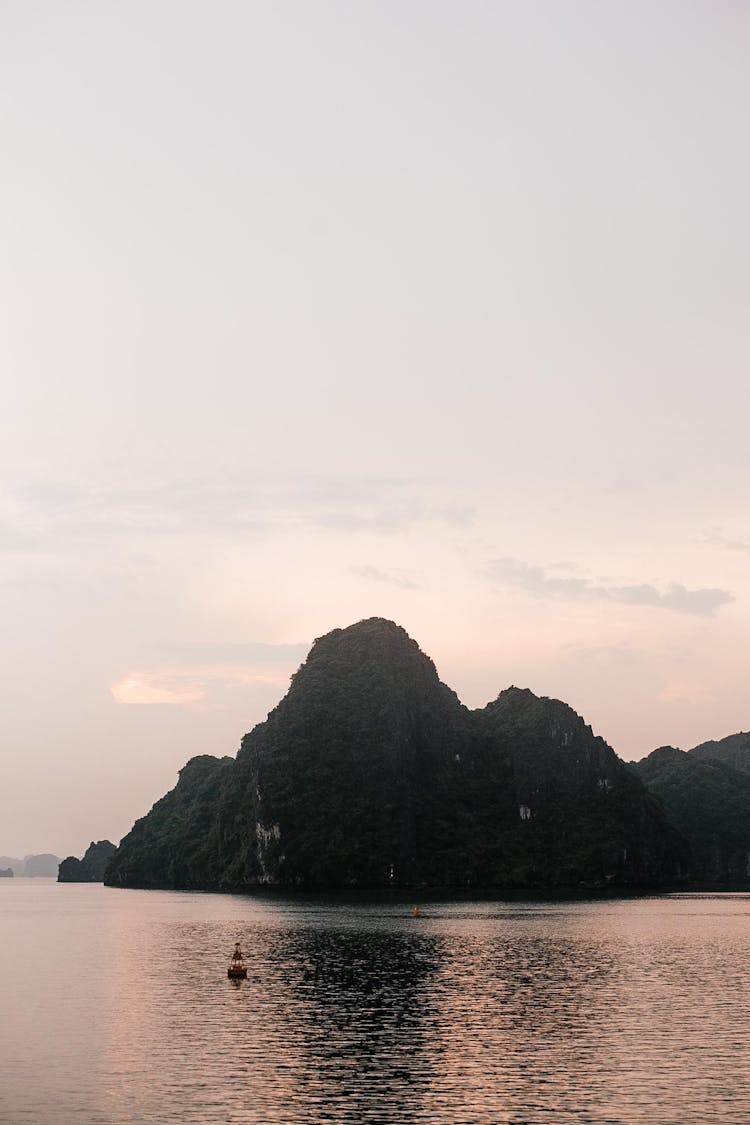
116,1008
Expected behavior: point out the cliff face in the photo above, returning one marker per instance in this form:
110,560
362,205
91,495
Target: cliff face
357,776
371,773
91,868
178,843
583,814
734,750
706,794
97,857
71,870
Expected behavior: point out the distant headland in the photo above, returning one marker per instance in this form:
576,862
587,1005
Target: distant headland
91,868
42,866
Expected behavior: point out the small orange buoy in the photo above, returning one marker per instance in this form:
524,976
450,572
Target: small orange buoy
237,968
416,912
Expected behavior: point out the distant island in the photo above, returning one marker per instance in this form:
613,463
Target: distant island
371,773
42,866
91,868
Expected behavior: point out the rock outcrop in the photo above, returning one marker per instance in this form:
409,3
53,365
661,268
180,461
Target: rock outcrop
42,866
91,868
371,773
583,818
706,795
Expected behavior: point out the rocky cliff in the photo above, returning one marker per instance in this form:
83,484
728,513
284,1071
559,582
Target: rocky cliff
178,844
583,815
706,795
372,773
91,868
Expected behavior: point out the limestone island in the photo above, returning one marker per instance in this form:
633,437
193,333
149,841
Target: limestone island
91,868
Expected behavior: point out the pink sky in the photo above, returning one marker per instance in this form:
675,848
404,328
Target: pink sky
429,311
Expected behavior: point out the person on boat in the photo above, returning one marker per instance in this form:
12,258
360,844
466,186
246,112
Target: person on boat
237,955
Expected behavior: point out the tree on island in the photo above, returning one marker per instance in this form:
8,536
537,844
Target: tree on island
91,868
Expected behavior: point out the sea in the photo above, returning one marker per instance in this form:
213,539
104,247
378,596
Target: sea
115,1007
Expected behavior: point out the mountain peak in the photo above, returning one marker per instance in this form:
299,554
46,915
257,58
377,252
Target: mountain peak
370,772
373,636
374,655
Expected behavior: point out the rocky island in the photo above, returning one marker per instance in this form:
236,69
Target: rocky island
371,773
42,866
91,868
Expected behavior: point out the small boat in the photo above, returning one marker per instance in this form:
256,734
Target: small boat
237,967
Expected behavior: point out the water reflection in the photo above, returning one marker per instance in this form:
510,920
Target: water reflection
632,1013
365,1005
511,1010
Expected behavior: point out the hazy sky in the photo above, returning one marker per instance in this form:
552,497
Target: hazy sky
314,311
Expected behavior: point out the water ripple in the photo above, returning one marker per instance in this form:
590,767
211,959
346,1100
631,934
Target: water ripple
623,1012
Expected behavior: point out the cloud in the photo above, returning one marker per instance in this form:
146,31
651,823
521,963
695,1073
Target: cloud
381,505
147,689
686,693
617,655
356,505
374,575
188,687
716,537
15,538
537,581
704,602
455,515
223,652
171,508
393,517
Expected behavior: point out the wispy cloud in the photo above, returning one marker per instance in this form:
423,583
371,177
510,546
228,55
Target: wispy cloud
686,692
148,688
456,515
617,655
375,505
14,538
222,652
716,537
188,687
383,517
372,574
536,580
201,673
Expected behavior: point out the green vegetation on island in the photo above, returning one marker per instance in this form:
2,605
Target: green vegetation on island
371,773
91,868
706,795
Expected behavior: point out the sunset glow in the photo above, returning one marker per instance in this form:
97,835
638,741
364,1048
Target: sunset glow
429,312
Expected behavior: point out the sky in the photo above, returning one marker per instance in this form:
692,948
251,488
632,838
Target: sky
318,311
